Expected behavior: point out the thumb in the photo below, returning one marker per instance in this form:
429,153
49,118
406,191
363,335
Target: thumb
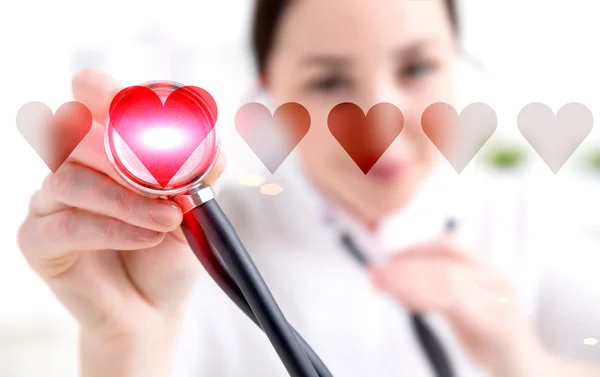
95,89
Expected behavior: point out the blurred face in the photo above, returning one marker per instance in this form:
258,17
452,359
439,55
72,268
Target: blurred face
364,52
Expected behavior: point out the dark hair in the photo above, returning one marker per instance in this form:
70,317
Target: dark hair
268,14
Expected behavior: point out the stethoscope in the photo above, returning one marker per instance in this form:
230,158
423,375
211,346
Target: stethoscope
427,338
215,243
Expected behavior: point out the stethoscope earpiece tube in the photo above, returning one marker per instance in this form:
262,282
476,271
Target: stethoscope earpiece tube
432,346
427,339
220,251
207,225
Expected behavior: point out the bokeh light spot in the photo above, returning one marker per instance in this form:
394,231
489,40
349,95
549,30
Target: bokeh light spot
251,180
271,189
590,341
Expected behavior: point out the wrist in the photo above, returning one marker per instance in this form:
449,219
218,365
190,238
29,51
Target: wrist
143,351
525,363
524,357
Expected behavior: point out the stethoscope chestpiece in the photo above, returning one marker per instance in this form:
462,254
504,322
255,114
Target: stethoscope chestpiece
136,142
160,142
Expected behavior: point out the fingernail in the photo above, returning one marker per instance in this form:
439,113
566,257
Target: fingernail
146,234
165,213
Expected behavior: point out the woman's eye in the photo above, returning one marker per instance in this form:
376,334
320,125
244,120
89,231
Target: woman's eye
416,70
329,84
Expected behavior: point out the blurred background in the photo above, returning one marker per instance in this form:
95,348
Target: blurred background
515,52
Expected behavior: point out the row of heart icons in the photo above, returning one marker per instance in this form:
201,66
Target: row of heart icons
459,137
365,137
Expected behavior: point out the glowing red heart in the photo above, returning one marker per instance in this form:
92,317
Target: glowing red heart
365,138
163,137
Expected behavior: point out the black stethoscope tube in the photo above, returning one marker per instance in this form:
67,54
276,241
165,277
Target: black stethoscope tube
220,251
241,281
427,339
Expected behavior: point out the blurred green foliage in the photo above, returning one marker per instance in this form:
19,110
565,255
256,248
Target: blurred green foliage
505,155
594,159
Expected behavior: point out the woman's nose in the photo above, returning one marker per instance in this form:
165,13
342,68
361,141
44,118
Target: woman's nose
383,92
381,89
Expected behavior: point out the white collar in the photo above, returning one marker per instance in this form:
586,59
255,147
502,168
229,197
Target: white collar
420,220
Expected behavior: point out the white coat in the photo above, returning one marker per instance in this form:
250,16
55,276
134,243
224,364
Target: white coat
356,330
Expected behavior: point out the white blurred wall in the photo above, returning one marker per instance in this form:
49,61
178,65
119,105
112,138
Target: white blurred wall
532,50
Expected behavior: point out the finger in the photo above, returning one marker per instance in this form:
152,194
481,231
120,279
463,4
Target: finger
434,249
42,204
47,240
79,186
179,235
425,285
91,152
95,89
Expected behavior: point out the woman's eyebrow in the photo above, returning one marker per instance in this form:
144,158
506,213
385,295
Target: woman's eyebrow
413,48
409,50
335,61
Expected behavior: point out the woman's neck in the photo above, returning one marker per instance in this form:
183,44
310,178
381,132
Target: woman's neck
358,212
355,211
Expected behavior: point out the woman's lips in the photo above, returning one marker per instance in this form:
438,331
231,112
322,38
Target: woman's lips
387,172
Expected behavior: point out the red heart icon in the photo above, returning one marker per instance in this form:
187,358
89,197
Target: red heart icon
365,138
272,137
163,137
459,137
54,137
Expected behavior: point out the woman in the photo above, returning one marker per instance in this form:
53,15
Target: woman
119,262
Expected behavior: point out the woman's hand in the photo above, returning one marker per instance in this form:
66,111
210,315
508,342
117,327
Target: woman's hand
480,305
117,260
